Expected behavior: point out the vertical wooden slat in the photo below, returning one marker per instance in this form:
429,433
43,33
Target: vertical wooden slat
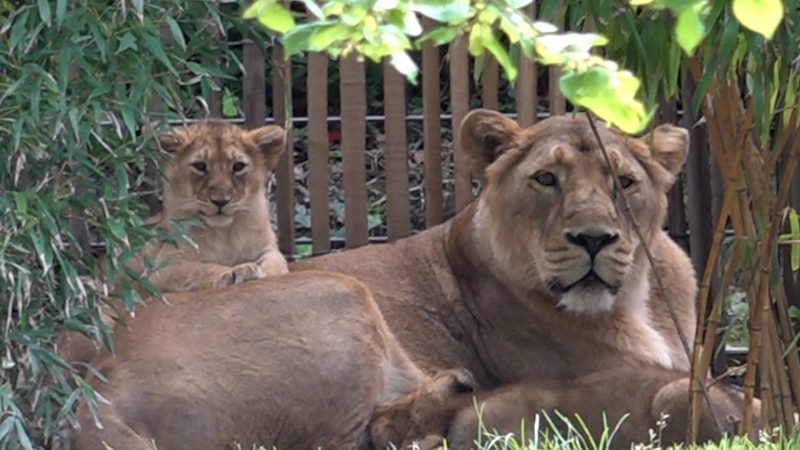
697,182
556,99
490,82
255,95
317,88
459,99
284,172
398,213
215,97
354,111
431,109
527,97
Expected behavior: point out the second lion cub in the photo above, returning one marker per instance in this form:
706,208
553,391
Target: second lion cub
217,174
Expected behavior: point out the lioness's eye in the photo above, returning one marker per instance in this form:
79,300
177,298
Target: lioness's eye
546,178
238,166
625,182
200,166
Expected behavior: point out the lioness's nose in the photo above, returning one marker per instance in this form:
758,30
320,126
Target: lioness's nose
220,201
592,242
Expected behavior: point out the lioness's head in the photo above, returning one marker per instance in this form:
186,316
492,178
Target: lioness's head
550,210
218,170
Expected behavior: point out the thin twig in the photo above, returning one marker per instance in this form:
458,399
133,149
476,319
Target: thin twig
651,260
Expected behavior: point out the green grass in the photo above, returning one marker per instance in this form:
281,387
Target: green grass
561,433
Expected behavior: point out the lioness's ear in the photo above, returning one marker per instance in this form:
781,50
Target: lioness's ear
669,145
173,140
483,133
271,141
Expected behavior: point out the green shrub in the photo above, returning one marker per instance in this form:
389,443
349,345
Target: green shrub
76,79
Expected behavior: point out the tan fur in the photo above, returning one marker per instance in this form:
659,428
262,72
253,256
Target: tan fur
296,361
482,291
646,395
217,174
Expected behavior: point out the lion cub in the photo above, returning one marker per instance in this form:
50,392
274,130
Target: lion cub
217,173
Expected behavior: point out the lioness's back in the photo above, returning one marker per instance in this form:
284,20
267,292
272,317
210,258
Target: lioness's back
274,354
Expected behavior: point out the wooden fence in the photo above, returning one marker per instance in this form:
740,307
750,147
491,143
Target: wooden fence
457,87
444,76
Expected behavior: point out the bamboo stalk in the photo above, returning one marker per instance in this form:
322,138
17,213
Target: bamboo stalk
784,390
788,336
762,307
697,369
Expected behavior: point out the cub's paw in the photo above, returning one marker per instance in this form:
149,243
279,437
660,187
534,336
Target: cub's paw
241,273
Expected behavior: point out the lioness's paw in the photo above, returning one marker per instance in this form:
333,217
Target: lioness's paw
241,273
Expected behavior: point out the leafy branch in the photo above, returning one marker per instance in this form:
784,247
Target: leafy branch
377,29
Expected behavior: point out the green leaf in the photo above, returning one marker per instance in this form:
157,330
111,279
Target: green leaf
441,35
444,10
155,47
323,37
689,28
254,10
44,11
61,11
276,17
313,8
609,94
228,104
411,24
298,38
761,16
405,65
517,4
177,34
21,202
127,41
502,57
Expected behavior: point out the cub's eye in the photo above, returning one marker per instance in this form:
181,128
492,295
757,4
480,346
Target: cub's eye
546,178
200,166
238,166
625,181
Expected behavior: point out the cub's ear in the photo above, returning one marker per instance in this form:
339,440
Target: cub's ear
668,146
174,140
270,141
483,133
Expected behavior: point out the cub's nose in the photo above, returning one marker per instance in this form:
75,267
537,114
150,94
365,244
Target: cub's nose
592,241
220,201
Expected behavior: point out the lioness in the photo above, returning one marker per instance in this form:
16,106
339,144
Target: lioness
298,361
629,401
218,174
542,276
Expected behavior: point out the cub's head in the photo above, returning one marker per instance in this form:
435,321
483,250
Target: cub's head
550,214
218,170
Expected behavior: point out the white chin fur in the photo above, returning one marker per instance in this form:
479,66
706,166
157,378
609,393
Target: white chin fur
217,220
587,301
